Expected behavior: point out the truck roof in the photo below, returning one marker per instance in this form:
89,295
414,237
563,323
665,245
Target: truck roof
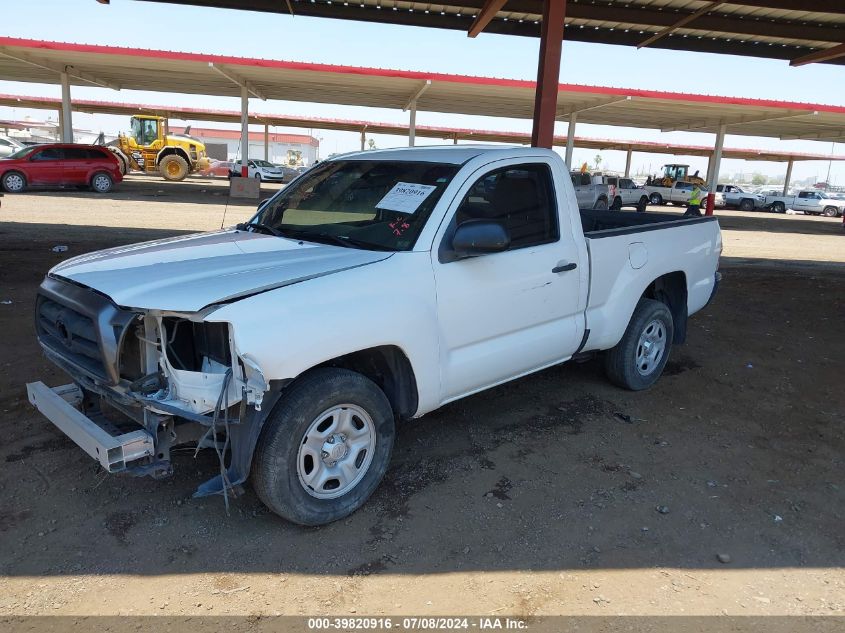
455,154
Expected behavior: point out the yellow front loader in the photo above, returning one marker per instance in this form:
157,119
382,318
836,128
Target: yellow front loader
151,149
673,173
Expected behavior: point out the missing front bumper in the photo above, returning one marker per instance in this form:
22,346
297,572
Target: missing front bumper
115,451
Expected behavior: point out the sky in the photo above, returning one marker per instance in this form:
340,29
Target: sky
274,36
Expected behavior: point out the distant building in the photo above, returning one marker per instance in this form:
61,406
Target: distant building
287,149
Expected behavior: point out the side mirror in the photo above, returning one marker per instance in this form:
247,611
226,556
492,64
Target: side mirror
480,237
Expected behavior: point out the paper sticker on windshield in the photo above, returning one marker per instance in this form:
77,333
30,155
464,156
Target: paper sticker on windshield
405,197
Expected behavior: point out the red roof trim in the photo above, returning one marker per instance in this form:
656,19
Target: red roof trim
406,74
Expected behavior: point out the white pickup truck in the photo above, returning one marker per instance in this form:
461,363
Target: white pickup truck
679,193
810,201
376,287
591,192
626,193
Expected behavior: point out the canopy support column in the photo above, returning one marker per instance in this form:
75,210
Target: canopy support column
715,164
548,73
363,138
244,132
412,124
788,177
67,117
628,163
266,142
570,139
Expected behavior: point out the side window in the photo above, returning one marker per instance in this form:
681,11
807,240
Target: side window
521,198
97,154
804,194
76,153
51,153
626,183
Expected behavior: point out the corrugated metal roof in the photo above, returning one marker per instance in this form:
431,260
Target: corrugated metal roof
171,71
372,127
779,29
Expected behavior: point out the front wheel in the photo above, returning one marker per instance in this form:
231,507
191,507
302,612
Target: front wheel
830,212
778,207
642,205
101,182
656,199
746,205
617,204
638,359
14,182
258,177
324,448
174,167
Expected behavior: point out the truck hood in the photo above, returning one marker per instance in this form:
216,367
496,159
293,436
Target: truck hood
188,273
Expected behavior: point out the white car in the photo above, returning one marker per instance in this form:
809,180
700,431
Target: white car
8,146
262,170
377,287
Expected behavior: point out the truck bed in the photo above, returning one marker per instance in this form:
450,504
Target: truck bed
597,224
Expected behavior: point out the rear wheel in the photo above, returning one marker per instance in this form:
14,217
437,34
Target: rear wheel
14,181
656,198
746,205
642,205
101,182
830,212
324,448
174,167
601,204
778,207
638,359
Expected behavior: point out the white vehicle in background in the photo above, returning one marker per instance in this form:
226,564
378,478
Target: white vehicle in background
626,193
378,287
808,201
591,191
265,171
679,193
734,196
8,146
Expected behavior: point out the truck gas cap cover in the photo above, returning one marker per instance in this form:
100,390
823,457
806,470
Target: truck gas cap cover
637,255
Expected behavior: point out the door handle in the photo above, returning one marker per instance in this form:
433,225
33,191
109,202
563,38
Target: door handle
562,268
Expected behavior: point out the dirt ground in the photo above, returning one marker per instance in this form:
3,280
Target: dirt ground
536,497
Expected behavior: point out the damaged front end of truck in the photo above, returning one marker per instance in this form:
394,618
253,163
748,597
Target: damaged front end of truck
146,381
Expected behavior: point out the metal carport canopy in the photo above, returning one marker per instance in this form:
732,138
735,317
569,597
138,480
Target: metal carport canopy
797,30
374,127
169,71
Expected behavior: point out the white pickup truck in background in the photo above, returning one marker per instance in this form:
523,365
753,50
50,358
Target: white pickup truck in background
591,191
809,201
735,197
376,287
678,193
626,193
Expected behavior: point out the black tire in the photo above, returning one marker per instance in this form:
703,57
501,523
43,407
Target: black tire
617,204
174,168
746,204
778,207
13,182
275,473
621,362
601,204
101,182
656,199
830,212
642,205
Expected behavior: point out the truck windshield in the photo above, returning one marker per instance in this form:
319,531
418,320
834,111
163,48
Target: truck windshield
369,204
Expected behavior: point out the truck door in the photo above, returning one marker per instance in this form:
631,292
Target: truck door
508,313
805,201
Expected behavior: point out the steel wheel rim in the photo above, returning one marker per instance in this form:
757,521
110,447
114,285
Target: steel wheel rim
101,183
651,347
14,182
336,451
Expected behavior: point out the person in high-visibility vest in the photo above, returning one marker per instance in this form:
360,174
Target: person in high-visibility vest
694,205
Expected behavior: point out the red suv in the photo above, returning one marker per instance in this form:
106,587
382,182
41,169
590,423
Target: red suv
56,164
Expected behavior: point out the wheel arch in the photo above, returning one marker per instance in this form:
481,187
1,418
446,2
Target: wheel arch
173,149
388,367
671,289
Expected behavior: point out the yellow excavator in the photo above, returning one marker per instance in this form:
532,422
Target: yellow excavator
151,149
672,173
